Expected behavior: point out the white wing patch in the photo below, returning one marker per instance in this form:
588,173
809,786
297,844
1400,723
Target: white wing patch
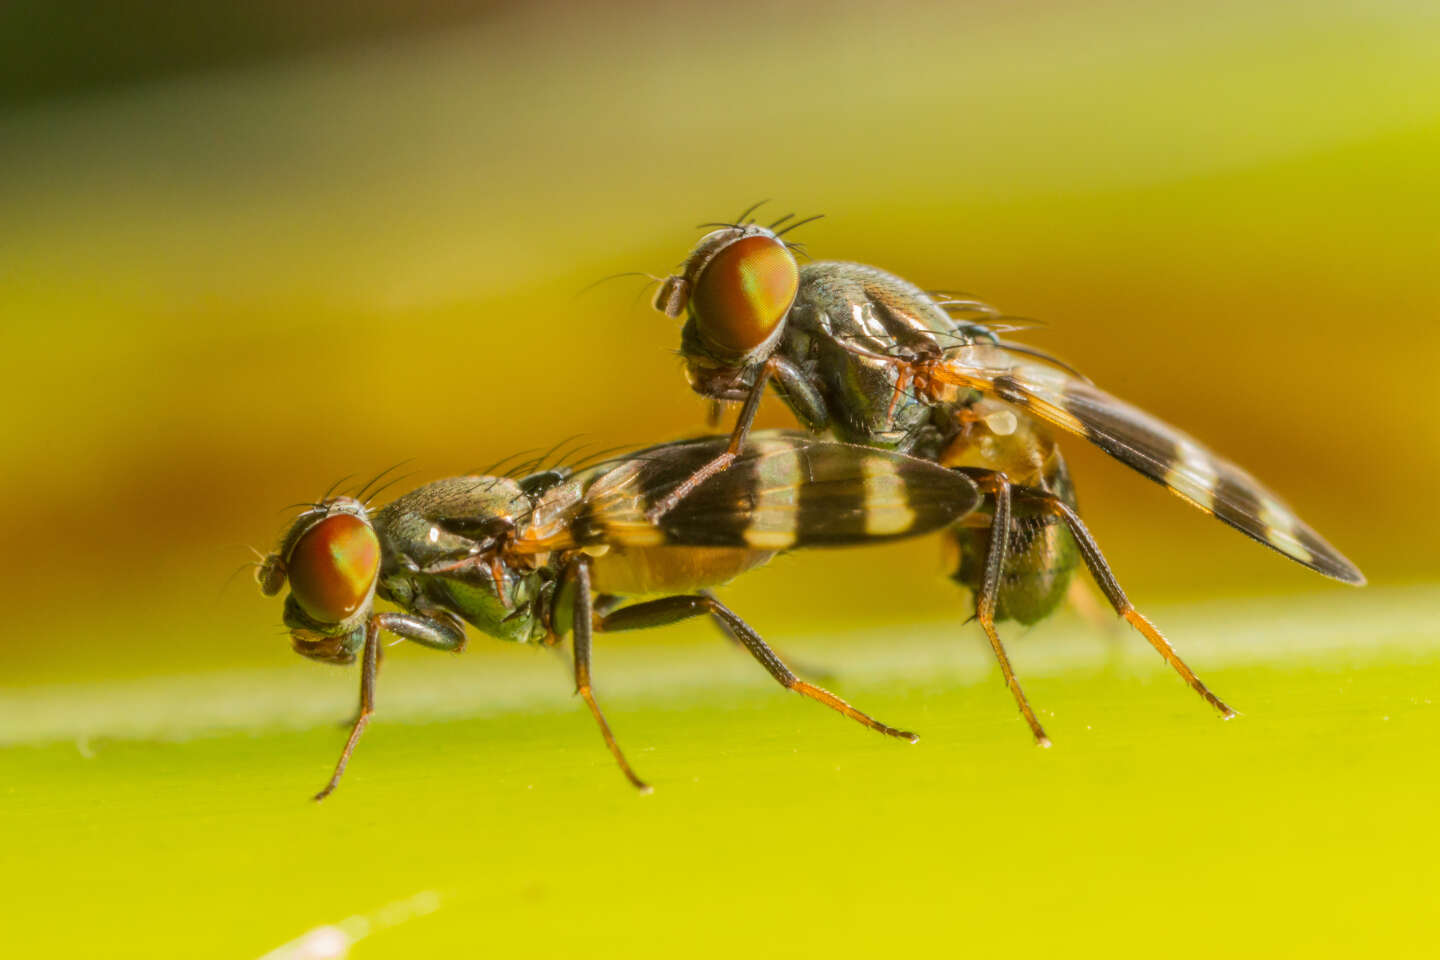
887,510
1193,474
777,472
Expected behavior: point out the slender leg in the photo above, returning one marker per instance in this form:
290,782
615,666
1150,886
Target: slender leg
584,616
799,394
805,667
656,613
902,380
1100,570
732,450
369,667
438,629
999,489
360,707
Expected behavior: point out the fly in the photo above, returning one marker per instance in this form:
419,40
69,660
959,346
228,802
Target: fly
553,553
877,361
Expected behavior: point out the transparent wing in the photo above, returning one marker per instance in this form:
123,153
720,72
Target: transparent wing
1149,445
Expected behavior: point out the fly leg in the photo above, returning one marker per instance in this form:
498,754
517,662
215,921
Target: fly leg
584,615
435,628
805,667
998,487
600,605
655,613
606,603
433,633
369,665
798,393
732,450
903,376
360,708
1105,579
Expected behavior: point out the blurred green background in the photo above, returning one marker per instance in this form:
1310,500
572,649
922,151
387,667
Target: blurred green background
248,252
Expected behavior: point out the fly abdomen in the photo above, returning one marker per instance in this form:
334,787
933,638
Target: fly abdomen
1041,555
1039,565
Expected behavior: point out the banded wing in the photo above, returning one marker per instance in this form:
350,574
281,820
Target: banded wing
785,490
1151,446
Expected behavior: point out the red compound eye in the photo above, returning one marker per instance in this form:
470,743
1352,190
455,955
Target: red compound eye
333,567
744,292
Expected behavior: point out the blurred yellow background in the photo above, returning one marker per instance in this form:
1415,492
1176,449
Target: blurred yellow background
226,286
247,252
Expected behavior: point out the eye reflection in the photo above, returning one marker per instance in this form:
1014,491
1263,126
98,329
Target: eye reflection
744,292
333,566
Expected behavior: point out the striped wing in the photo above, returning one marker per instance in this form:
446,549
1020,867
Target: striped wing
1151,446
785,490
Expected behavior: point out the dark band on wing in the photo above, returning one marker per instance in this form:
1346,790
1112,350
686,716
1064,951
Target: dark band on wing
718,512
1216,486
786,490
832,511
1171,458
1232,494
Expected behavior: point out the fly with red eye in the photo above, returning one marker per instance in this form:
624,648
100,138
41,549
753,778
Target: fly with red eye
878,361
332,558
735,289
530,560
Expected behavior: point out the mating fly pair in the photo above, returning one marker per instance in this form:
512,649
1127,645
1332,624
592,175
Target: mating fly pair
877,361
532,559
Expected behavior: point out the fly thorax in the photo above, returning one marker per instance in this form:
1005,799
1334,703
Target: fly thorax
506,614
398,587
552,518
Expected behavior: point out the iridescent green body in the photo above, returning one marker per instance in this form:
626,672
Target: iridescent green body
424,555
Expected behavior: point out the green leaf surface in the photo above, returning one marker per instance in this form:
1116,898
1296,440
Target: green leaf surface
483,817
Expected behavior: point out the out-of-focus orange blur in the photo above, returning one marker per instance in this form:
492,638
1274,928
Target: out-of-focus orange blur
224,286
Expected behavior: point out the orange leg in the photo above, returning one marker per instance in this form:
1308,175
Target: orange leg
1100,570
584,619
902,380
665,610
999,488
